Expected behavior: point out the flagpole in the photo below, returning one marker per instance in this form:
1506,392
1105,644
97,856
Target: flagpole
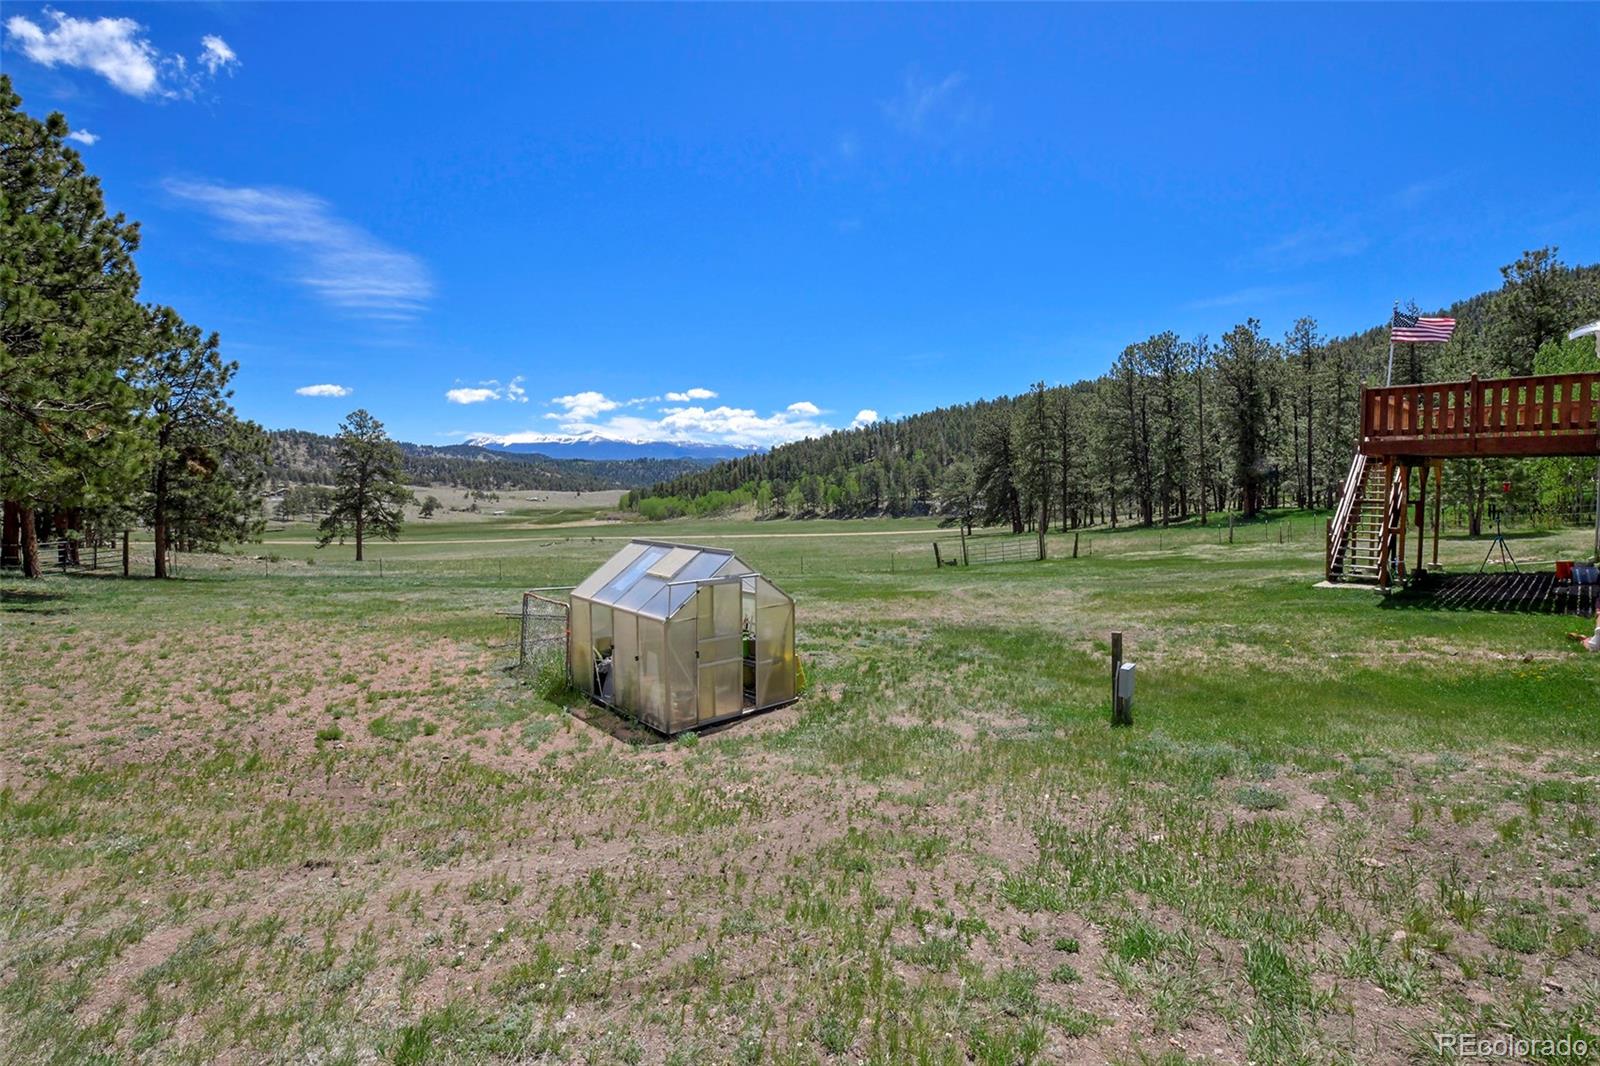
1388,377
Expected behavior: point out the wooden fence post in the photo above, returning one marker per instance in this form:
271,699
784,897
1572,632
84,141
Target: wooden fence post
125,569
1074,545
938,563
1121,712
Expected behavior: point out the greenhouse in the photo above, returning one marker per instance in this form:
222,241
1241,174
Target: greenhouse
680,636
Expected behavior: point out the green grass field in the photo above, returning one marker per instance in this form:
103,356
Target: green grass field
289,808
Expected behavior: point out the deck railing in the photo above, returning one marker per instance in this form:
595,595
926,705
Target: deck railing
1545,414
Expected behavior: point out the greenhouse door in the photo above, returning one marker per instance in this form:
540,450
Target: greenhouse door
774,643
625,662
719,663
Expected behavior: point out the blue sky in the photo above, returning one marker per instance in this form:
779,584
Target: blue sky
544,219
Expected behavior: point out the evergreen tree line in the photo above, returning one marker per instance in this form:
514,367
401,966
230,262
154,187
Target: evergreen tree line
1177,428
112,410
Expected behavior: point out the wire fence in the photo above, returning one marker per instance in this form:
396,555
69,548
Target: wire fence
542,629
72,554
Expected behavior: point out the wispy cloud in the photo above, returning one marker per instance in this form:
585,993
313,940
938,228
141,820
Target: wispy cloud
323,390
83,136
215,55
1316,243
118,50
339,261
927,107
490,389
804,407
1255,294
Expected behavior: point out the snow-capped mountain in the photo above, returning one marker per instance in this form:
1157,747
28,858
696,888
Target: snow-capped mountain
596,447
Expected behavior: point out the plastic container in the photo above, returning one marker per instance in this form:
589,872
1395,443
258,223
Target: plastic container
1563,570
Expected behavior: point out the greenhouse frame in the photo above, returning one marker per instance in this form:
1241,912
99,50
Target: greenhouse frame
681,636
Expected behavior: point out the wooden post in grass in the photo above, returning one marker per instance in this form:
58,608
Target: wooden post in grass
1121,713
938,563
1116,665
963,527
1074,545
1230,529
125,567
1120,709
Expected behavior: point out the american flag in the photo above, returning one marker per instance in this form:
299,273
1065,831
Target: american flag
1419,329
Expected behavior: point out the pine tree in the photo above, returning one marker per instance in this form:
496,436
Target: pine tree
69,328
198,450
996,473
369,499
1243,366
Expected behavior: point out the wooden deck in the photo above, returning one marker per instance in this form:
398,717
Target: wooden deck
1540,415
1533,592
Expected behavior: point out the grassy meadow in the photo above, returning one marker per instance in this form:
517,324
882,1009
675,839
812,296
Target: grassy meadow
289,808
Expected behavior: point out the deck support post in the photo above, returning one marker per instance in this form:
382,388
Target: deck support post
1422,515
1438,495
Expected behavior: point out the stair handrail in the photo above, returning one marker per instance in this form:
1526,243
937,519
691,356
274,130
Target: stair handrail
1392,517
1341,516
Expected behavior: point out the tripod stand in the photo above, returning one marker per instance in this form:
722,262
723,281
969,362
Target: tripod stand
1499,541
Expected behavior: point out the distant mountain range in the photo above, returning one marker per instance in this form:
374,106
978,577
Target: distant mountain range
604,448
310,458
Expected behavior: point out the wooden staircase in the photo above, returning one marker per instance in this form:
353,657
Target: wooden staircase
1362,537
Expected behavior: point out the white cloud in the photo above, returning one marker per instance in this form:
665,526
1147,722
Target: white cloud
215,54
591,414
83,136
687,395
341,262
490,390
864,417
471,395
118,50
926,108
582,406
115,49
322,390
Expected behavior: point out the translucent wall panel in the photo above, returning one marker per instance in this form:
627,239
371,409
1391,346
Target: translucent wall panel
775,674
721,693
600,627
625,660
580,649
683,683
652,697
718,627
